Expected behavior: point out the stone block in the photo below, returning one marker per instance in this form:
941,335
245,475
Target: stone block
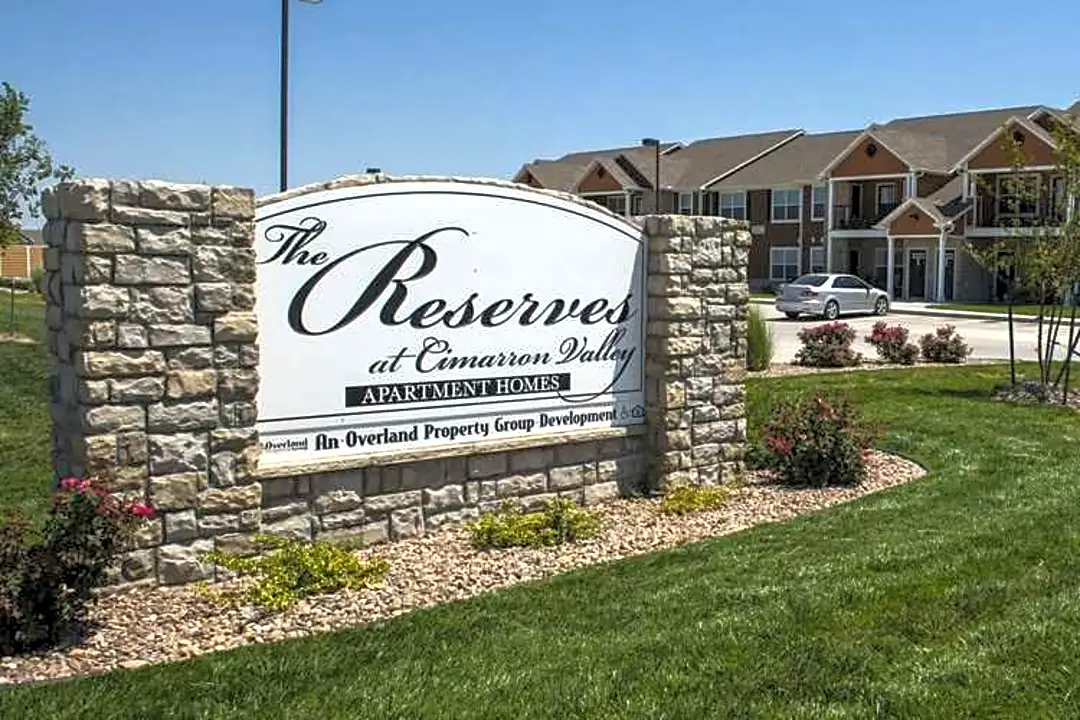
181,526
337,501
233,203
295,528
136,390
178,564
216,264
129,215
521,485
240,384
179,335
236,327
164,241
485,466
441,520
383,504
339,520
174,492
159,195
178,453
97,302
142,270
190,384
601,492
162,305
182,417
235,499
406,523
566,478
130,336
195,358
138,565
83,199
445,498
113,418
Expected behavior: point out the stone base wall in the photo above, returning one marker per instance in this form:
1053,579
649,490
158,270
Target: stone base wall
151,298
393,502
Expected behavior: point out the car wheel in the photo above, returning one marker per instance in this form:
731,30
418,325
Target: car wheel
792,316
832,310
881,306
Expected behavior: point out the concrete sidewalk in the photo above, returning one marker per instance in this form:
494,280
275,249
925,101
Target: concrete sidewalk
913,308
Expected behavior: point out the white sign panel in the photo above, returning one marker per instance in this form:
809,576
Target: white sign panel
406,315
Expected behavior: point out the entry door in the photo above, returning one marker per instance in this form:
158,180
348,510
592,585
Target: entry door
917,275
950,273
853,262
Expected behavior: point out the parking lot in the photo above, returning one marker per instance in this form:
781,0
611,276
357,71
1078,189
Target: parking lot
988,338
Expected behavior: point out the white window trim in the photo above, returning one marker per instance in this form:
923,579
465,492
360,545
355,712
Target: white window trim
690,209
824,204
772,206
743,206
877,195
785,249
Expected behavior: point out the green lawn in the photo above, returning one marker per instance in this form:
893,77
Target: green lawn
25,445
954,596
998,308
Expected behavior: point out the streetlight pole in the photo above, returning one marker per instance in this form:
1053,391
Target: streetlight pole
655,143
284,121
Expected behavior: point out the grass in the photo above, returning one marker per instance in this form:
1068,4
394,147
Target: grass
989,308
25,445
954,596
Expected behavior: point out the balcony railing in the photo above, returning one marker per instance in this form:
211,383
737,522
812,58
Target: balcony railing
846,217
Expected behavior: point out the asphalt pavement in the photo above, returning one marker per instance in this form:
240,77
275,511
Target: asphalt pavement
989,338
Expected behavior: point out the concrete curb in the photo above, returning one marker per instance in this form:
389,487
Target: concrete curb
928,312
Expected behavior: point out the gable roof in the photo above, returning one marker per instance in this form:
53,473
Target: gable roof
795,163
707,161
565,172
935,143
1023,122
944,205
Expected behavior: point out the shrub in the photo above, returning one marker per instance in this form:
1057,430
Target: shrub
759,340
891,343
818,441
48,573
36,277
683,498
944,345
561,521
295,569
827,345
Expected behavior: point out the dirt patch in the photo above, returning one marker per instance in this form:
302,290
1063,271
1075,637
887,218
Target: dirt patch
147,626
16,339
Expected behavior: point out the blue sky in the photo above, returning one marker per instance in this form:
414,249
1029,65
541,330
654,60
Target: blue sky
188,90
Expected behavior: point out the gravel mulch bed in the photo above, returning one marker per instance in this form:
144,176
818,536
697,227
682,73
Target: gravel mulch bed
146,626
1031,393
787,369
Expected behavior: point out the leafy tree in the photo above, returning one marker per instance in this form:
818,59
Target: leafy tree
25,163
1039,254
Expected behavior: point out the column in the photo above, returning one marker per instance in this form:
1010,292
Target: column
890,263
695,347
939,290
829,223
629,203
912,185
152,329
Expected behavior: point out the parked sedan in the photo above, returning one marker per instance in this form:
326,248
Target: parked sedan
829,296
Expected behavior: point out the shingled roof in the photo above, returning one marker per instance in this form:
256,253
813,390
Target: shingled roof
706,161
795,163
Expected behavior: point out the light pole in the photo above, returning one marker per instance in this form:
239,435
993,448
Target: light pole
655,143
284,149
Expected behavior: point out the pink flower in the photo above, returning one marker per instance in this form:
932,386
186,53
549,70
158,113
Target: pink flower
73,484
141,510
781,445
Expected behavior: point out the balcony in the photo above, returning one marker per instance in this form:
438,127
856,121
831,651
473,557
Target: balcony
847,217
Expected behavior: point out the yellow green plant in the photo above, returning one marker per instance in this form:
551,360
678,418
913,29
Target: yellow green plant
683,498
294,569
560,521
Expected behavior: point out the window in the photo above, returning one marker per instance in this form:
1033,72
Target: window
881,268
686,203
849,282
783,263
614,203
733,205
886,198
819,208
1018,196
817,259
786,205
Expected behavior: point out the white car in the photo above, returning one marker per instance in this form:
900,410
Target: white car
829,295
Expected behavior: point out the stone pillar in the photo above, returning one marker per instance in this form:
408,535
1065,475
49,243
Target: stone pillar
151,296
696,348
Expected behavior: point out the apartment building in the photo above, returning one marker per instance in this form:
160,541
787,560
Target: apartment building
892,203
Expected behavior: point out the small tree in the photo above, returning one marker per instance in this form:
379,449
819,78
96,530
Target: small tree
25,163
1039,254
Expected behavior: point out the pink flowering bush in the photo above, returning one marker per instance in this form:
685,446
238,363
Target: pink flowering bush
827,346
818,441
891,343
48,571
